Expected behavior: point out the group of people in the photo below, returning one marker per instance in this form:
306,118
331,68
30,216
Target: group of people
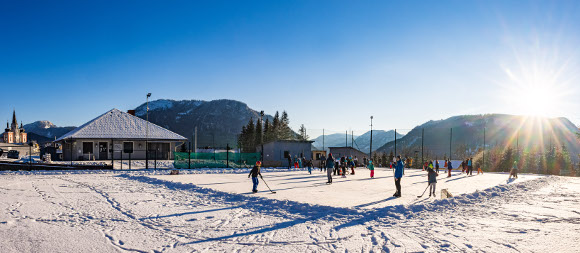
467,167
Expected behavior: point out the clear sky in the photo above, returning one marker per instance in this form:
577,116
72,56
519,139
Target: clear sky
330,64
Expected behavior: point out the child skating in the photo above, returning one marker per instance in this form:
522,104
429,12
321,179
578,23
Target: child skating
372,169
254,173
432,179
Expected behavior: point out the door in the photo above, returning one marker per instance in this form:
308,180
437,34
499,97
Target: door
103,150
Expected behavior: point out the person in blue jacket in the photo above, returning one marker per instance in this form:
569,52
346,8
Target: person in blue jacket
399,171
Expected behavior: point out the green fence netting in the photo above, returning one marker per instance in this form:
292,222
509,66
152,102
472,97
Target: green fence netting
184,160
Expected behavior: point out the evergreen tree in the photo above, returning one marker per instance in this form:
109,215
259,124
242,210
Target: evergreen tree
258,134
250,145
267,131
383,159
303,136
285,131
275,135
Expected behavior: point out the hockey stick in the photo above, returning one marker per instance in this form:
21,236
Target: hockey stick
267,185
424,191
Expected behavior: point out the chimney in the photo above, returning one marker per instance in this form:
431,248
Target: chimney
132,112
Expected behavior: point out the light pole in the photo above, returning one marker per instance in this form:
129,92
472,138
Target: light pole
371,146
262,134
147,134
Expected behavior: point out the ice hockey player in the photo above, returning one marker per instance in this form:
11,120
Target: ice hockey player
309,165
372,169
254,173
399,167
449,168
329,168
432,178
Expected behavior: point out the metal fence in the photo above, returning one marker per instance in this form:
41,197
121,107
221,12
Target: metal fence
187,160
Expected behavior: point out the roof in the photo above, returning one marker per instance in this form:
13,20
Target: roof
294,141
116,124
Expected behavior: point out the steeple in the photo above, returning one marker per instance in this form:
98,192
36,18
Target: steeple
7,127
14,122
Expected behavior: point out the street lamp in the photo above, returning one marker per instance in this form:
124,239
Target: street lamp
371,148
262,133
147,134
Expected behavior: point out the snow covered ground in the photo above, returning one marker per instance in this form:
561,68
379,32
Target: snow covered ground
146,212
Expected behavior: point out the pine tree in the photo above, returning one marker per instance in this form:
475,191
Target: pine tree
250,145
383,159
275,135
267,131
258,134
303,136
285,131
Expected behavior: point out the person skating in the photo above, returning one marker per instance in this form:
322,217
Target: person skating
343,166
449,168
437,166
309,165
470,166
254,173
372,169
399,167
479,169
336,166
432,179
329,168
352,164
289,161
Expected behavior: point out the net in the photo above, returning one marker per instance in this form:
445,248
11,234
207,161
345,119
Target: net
183,160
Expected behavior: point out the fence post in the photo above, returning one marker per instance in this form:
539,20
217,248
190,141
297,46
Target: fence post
189,157
155,159
129,161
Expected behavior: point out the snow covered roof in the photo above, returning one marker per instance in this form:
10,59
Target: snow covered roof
116,124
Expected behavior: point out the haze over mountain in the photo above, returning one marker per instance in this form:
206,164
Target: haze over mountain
500,129
218,122
362,142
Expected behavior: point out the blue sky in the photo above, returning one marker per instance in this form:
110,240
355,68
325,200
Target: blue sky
330,64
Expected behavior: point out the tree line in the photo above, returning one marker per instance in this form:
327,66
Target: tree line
254,134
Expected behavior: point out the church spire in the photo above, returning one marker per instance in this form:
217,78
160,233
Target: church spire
14,122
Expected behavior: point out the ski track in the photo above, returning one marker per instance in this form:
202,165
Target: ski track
136,213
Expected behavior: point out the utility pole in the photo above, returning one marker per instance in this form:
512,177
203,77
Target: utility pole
147,135
450,140
371,147
422,144
323,140
483,165
352,139
261,134
195,141
395,142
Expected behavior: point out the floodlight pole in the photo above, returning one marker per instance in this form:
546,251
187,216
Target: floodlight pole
371,146
147,134
262,134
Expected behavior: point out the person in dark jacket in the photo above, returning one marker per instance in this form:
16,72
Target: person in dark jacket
289,161
437,166
432,178
254,173
449,168
329,168
399,170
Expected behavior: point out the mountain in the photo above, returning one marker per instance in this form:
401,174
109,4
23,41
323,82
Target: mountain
46,129
218,122
380,138
500,129
333,140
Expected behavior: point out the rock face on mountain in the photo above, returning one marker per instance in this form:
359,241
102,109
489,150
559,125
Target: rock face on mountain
218,122
44,128
500,129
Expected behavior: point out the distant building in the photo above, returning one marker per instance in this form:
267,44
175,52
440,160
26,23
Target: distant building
276,153
119,135
14,134
338,152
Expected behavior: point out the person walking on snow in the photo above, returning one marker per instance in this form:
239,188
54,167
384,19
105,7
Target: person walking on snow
479,169
254,173
432,179
470,166
329,168
514,170
309,165
352,164
399,167
437,166
372,169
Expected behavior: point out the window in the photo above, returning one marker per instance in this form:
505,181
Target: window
88,148
128,147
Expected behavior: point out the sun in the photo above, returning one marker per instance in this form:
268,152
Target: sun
537,86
